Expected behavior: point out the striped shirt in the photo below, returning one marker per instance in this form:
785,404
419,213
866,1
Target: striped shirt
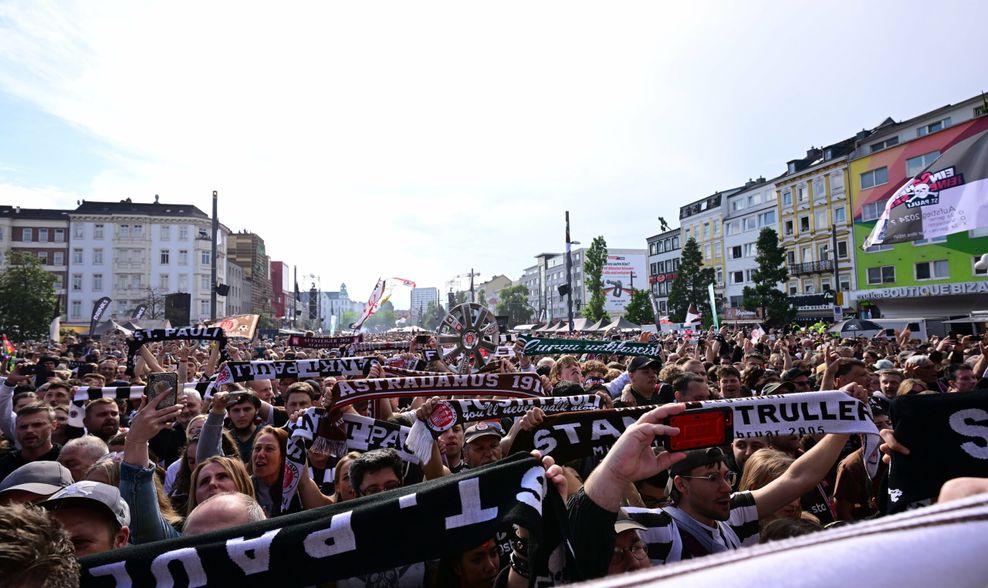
665,540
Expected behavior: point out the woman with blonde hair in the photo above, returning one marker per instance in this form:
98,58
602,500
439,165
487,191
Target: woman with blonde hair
215,475
761,468
911,386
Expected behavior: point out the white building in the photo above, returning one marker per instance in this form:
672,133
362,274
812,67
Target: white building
747,213
237,299
127,250
420,300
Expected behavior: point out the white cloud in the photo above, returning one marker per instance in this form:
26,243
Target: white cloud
424,139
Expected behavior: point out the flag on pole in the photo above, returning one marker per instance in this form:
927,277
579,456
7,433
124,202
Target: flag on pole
8,348
713,305
948,196
56,322
692,316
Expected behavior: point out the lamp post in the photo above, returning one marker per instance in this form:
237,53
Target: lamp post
212,259
569,275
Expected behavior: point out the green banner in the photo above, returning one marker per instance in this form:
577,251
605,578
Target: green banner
536,346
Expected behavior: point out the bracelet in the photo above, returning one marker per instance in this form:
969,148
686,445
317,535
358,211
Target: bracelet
519,564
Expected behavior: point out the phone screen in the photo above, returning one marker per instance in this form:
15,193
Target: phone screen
421,339
705,427
162,383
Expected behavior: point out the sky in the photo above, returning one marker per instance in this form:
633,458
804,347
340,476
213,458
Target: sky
426,139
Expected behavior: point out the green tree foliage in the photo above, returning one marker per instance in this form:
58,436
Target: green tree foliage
27,297
639,309
383,319
346,319
772,271
513,303
593,269
432,316
690,285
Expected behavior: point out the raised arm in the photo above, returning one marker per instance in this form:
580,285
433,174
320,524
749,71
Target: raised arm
805,473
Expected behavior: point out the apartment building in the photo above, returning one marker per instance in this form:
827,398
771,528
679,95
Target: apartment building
41,232
746,213
664,255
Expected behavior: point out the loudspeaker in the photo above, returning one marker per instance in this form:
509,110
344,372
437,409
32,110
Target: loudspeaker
222,289
178,308
563,290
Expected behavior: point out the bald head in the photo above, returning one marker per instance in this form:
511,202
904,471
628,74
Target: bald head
222,511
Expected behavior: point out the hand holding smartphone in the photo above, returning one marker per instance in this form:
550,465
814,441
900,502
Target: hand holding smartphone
162,383
699,428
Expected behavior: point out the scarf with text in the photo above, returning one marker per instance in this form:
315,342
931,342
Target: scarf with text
245,371
427,521
947,437
377,346
84,394
322,342
537,346
577,435
449,413
142,336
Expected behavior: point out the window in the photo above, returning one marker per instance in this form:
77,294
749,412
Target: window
842,249
78,231
183,283
754,199
27,235
840,215
877,248
736,252
974,234
933,127
183,257
818,191
801,193
675,242
59,235
875,177
737,277
98,282
97,257
793,289
183,233
791,257
766,219
914,165
978,272
716,228
706,251
77,256
43,235
807,254
845,284
824,251
787,197
76,309
123,231
750,249
137,231
739,204
932,270
97,231
719,274
873,210
809,288
204,258
788,228
749,275
837,181
163,282
706,230
204,307
59,284
804,224
750,224
881,275
43,257
166,232
58,258
165,254
821,220
76,282
731,228
204,283
890,142
932,241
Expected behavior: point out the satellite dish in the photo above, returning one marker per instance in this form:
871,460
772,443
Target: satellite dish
982,264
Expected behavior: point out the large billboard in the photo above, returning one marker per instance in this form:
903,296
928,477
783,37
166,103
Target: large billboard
618,281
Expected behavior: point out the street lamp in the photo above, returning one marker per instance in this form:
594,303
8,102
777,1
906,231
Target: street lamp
569,275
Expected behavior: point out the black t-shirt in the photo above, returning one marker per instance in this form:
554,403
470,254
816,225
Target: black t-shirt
14,460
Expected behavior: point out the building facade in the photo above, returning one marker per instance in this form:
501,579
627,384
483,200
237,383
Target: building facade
814,221
703,221
421,298
135,252
664,255
746,214
247,250
924,278
236,300
40,232
281,290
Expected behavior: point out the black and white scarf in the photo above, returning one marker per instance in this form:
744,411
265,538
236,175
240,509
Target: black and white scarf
84,394
142,336
518,384
377,346
245,371
322,342
426,521
947,437
576,435
538,346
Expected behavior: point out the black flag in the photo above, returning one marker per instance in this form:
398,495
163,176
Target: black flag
139,312
99,309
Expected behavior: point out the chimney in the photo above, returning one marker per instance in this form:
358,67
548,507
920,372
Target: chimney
156,199
813,153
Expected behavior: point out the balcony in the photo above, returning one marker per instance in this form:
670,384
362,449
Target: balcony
811,267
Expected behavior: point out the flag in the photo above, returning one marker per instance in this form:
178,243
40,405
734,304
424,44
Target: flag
298,296
54,328
99,309
713,305
240,326
692,315
139,312
8,348
948,196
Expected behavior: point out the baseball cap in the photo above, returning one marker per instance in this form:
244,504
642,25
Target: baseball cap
778,388
696,458
641,362
884,364
626,523
38,477
482,429
89,493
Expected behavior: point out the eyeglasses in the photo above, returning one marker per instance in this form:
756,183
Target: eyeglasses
729,477
636,550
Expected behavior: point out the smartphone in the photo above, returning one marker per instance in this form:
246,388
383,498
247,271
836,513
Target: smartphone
162,383
704,427
29,370
422,339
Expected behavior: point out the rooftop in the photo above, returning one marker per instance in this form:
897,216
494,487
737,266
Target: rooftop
16,212
128,206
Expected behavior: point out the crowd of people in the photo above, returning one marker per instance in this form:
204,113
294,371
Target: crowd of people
144,470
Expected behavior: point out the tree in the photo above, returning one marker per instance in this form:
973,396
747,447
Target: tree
513,303
155,303
639,309
432,316
383,319
27,297
593,270
772,271
346,319
690,285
